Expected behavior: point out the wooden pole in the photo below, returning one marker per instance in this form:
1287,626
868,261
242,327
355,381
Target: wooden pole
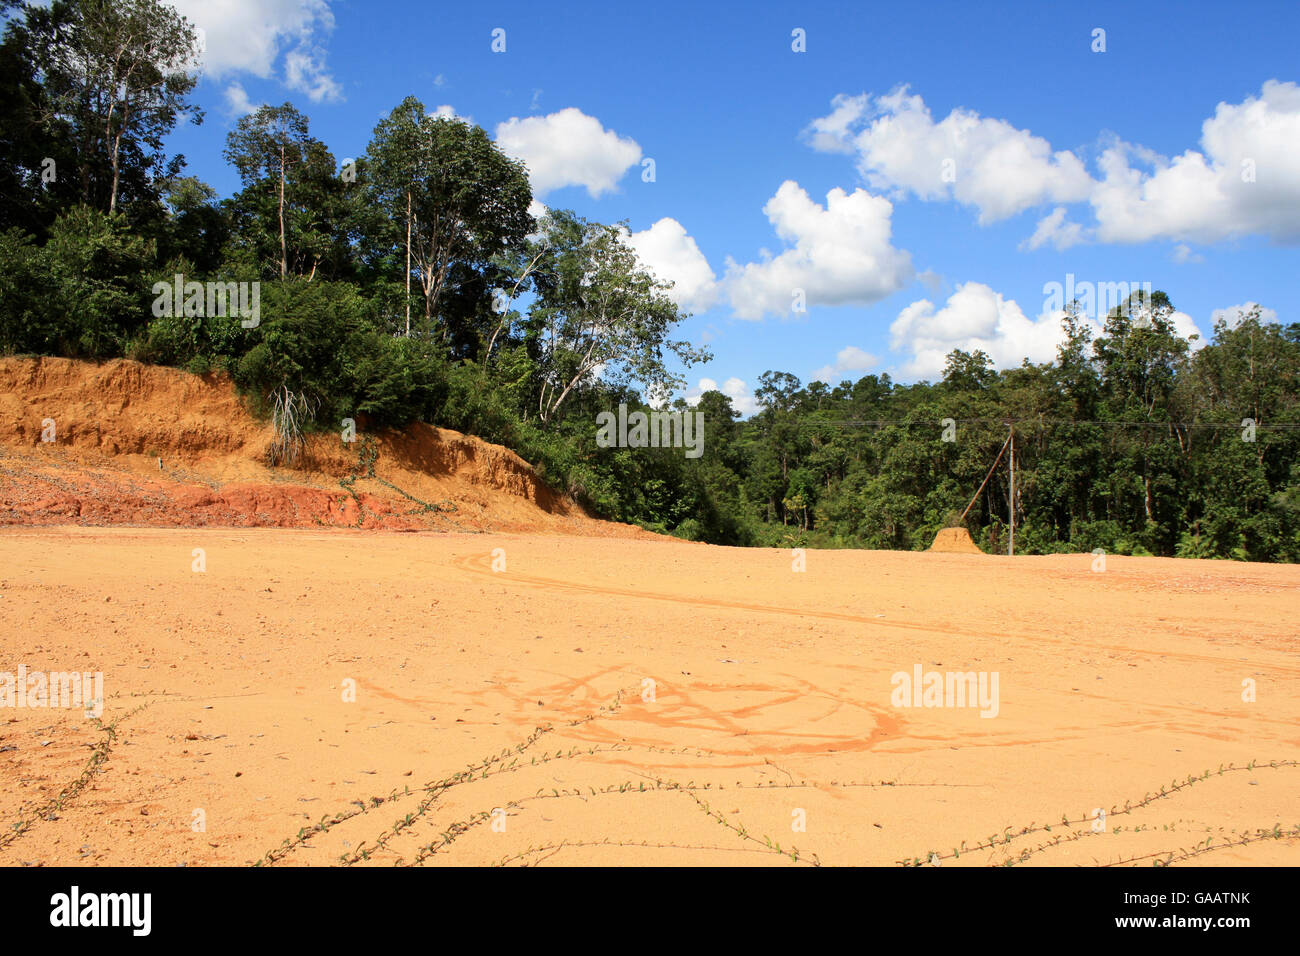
1001,451
1011,498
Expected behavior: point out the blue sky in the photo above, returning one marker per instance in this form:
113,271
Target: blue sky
919,172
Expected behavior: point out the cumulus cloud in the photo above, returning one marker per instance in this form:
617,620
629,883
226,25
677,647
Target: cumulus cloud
250,35
305,71
669,253
1233,314
568,148
1185,326
848,360
841,253
976,317
742,400
1246,179
446,111
974,160
1183,254
237,101
1054,229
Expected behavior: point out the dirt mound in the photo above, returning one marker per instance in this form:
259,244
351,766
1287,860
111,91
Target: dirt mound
146,445
954,541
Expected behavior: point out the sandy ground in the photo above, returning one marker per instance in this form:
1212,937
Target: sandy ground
604,701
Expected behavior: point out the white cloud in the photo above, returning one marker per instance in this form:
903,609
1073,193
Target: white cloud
974,317
849,359
1233,314
669,253
1186,327
1183,254
742,400
446,111
568,148
439,80
832,133
250,35
1209,196
977,161
305,71
841,254
1244,179
1053,229
237,102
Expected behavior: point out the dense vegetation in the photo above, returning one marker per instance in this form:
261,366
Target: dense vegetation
414,284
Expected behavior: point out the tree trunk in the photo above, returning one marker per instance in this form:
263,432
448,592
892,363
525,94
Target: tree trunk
112,198
284,256
408,262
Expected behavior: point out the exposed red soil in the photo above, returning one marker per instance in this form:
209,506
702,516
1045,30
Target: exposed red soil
145,445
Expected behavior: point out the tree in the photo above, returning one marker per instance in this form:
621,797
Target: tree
196,227
596,309
459,200
34,144
964,371
119,73
98,266
295,210
393,165
263,146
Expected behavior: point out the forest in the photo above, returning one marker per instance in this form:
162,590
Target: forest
415,283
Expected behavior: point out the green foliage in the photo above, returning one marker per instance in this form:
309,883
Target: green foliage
27,323
96,268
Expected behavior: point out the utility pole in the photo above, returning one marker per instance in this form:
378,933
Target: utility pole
1011,498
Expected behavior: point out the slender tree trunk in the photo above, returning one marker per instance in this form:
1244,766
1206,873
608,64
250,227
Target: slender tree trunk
408,262
110,138
284,255
117,147
112,199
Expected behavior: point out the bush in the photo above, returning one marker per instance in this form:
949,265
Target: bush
27,322
100,292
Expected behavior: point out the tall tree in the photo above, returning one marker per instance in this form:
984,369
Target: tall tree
120,73
598,310
460,200
295,209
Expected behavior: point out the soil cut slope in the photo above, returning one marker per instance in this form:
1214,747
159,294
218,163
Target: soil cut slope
137,444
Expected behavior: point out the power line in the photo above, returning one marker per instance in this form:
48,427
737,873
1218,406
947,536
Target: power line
928,423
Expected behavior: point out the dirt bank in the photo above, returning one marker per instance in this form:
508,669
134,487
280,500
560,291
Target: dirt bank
141,445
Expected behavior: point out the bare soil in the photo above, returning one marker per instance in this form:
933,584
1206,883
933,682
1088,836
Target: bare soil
288,679
622,701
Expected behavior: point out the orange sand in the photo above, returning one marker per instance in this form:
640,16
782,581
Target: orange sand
954,541
526,690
